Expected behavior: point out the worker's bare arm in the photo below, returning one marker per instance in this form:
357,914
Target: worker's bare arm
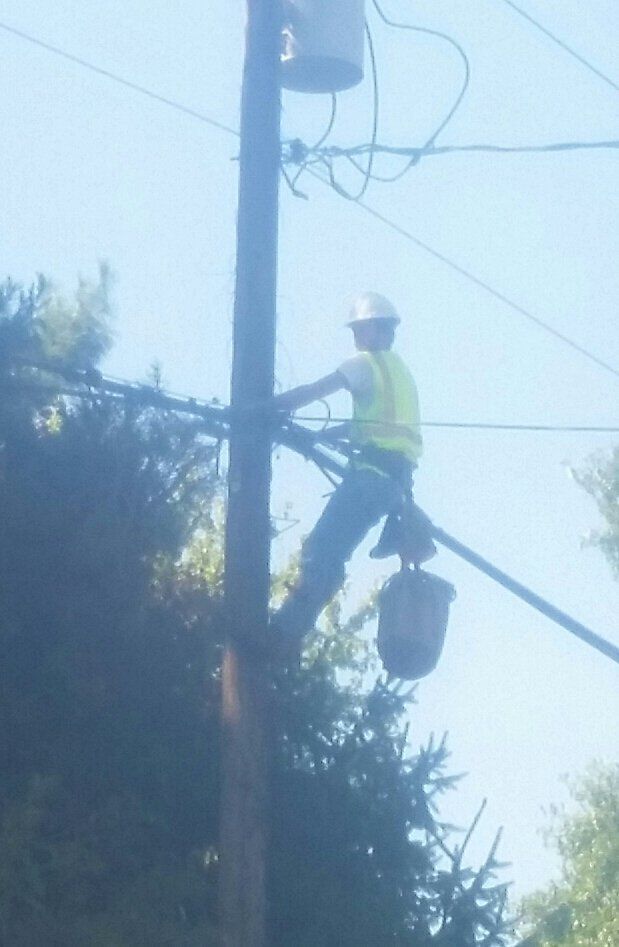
306,394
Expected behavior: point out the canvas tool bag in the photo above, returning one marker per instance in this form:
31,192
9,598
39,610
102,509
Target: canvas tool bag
413,614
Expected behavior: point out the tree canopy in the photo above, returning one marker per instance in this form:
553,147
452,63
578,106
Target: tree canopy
601,480
110,644
582,909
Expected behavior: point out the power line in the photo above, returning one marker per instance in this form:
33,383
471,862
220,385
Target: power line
366,172
389,223
164,100
487,426
297,150
526,149
561,618
425,151
413,159
564,46
300,154
300,440
92,379
216,418
478,282
452,42
542,428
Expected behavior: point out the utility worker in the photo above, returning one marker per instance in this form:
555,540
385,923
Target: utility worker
385,444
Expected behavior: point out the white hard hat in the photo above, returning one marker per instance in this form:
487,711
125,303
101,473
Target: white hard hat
367,306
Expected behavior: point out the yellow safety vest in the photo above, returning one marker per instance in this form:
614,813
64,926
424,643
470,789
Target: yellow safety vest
388,418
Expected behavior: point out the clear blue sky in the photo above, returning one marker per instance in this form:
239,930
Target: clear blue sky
92,171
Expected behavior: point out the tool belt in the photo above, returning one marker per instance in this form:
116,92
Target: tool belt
407,531
389,462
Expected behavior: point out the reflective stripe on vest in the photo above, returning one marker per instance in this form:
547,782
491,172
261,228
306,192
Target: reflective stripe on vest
389,418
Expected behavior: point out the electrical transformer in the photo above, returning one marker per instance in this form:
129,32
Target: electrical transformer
322,45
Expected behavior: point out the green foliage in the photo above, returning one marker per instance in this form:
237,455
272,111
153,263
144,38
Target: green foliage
358,854
582,910
601,480
41,324
107,728
110,631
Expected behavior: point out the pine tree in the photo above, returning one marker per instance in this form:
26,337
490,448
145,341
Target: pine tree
110,641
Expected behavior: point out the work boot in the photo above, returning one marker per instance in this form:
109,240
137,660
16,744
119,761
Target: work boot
407,533
390,539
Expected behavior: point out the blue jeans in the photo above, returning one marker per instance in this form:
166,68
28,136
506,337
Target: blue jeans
358,503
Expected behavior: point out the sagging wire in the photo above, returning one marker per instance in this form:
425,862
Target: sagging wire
325,421
367,172
306,157
452,42
316,155
414,159
322,138
300,154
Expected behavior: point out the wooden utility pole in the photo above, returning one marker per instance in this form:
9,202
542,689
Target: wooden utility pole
245,750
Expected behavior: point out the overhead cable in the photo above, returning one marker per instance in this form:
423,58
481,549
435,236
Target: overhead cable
543,428
301,440
186,404
428,151
452,42
525,149
216,419
297,152
397,228
485,426
366,172
373,147
531,598
304,156
389,223
164,100
564,46
319,155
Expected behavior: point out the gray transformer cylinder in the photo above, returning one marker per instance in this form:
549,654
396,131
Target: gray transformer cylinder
323,45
